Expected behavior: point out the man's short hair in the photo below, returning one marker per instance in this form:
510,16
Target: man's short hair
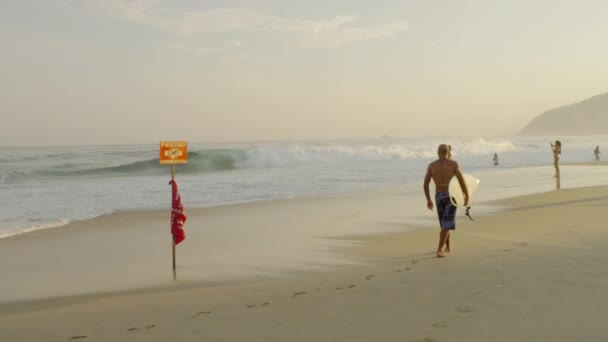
442,150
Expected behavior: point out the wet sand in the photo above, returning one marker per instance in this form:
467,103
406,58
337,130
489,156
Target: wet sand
535,272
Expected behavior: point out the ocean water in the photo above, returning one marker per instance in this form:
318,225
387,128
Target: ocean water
46,187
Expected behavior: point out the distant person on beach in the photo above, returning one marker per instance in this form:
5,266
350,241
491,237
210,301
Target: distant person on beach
449,156
557,150
495,159
441,171
597,153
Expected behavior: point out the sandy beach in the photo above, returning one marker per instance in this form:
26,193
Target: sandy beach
288,147
533,272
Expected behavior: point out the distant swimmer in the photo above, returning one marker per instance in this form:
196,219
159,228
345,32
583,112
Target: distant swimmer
441,171
557,150
495,159
597,153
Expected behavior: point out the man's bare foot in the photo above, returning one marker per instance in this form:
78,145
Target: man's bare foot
440,254
447,250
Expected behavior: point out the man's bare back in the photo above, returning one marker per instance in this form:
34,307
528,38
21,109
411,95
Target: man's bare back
441,171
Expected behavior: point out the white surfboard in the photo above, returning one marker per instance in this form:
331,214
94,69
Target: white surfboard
456,195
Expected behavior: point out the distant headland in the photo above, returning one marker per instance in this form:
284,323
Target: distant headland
588,117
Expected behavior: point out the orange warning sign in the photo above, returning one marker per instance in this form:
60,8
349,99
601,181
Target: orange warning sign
173,152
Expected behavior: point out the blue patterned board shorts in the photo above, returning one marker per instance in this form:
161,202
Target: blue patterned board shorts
445,211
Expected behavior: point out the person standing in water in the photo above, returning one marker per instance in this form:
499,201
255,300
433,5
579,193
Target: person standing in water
557,150
597,153
449,156
441,171
495,159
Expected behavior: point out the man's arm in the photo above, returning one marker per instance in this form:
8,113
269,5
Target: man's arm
427,181
463,186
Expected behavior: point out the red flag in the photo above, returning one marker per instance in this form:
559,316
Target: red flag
178,214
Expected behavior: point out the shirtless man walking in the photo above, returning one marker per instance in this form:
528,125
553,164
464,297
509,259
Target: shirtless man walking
441,171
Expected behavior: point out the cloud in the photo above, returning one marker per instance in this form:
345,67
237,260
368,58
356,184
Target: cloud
205,50
345,35
338,31
197,50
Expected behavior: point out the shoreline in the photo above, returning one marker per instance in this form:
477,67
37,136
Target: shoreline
108,221
135,237
297,235
385,188
519,267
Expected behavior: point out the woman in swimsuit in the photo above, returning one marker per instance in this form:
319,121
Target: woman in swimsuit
557,150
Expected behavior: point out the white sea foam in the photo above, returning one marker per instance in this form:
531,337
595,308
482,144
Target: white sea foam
30,227
291,154
47,187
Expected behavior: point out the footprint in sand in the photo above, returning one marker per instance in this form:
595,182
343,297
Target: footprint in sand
414,262
348,287
464,309
298,294
368,277
398,270
521,244
78,337
201,313
507,250
440,324
255,305
149,326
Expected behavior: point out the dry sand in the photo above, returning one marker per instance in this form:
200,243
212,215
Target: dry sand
535,272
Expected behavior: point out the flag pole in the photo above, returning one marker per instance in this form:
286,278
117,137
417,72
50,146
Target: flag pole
175,152
173,237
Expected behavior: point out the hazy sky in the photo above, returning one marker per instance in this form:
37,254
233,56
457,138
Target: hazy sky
140,71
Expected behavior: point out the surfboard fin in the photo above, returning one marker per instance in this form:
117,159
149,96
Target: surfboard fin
467,213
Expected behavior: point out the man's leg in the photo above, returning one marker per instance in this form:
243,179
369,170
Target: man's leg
443,234
447,243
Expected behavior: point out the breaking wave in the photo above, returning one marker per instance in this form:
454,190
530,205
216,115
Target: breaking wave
261,156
